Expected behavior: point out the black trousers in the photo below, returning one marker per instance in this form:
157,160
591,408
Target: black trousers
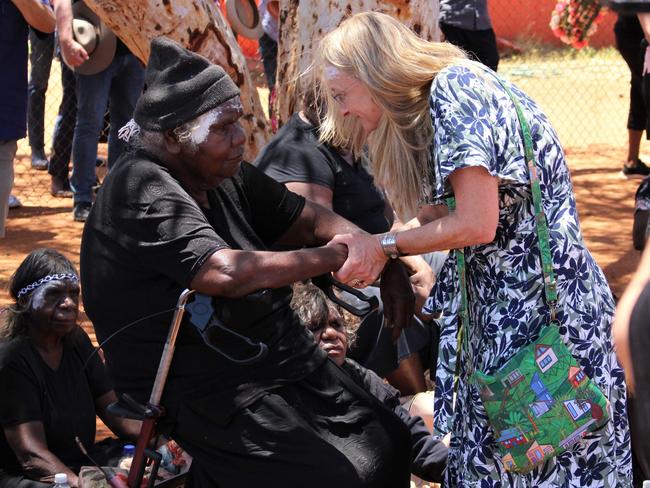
628,34
318,432
269,53
41,61
480,44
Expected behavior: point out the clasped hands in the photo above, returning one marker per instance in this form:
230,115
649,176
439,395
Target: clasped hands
366,262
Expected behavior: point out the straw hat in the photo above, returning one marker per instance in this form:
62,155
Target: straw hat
97,39
244,18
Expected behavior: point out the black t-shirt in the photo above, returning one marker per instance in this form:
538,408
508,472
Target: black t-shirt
296,155
62,399
143,242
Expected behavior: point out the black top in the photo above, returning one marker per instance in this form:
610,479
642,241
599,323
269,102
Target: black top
143,242
428,454
296,155
62,399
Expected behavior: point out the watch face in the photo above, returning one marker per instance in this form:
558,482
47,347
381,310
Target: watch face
629,6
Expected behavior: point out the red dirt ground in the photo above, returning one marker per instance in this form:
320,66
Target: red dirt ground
605,204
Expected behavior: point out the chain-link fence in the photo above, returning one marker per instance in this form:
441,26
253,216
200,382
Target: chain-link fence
44,158
585,93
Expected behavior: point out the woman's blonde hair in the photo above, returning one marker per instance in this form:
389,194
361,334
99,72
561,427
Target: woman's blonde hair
397,67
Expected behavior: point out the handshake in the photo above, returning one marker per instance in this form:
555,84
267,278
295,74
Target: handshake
405,283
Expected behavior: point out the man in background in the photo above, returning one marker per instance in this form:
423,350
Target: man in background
119,85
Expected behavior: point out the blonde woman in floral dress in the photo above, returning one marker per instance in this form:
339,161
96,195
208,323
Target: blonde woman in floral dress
438,125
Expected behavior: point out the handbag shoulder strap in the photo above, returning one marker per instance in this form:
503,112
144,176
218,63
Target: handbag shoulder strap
543,237
541,225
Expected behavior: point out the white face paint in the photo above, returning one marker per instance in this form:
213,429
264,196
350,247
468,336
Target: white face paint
48,294
201,129
331,72
353,98
54,306
39,299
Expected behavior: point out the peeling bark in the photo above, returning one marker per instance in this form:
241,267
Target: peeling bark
303,25
199,26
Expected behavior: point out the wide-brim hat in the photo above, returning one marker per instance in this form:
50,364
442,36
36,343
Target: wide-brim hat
244,18
95,37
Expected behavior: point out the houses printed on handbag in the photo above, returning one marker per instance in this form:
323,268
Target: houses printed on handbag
543,401
541,405
576,408
545,357
576,435
509,462
536,452
512,437
576,376
513,379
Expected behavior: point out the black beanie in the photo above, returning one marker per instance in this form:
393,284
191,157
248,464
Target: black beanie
179,86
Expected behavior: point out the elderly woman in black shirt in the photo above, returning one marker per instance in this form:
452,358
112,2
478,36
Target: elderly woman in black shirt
52,381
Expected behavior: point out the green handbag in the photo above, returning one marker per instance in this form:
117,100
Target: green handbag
540,402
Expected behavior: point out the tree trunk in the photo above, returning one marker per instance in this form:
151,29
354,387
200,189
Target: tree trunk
303,25
199,26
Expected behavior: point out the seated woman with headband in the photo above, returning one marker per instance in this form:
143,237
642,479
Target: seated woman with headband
58,384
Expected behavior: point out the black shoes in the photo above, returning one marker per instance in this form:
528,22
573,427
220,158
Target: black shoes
637,170
39,161
60,187
13,202
81,211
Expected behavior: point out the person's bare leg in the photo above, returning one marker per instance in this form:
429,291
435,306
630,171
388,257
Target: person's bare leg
408,378
639,229
633,146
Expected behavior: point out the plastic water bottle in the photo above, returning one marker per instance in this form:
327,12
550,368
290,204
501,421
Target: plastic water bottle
61,480
127,456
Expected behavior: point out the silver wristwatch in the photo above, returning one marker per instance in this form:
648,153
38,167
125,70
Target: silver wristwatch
388,243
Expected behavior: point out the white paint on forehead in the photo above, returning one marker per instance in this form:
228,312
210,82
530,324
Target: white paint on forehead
202,126
332,72
38,300
201,129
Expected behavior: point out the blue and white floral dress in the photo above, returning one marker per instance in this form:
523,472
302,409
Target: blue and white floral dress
475,124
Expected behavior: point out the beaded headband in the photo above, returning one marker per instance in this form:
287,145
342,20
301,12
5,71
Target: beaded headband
45,279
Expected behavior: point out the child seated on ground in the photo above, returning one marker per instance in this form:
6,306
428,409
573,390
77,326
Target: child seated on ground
333,330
